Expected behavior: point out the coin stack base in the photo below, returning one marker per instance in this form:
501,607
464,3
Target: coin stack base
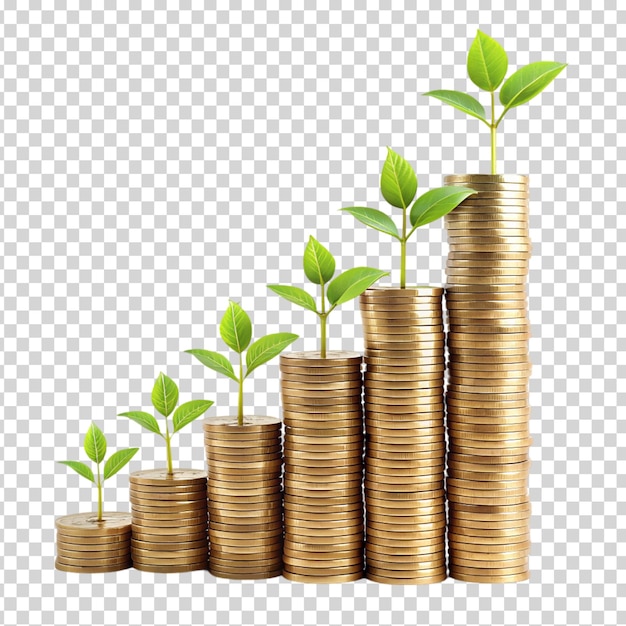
245,497
323,418
88,546
169,514
404,424
487,394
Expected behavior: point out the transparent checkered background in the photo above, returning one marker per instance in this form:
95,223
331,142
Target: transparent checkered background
158,160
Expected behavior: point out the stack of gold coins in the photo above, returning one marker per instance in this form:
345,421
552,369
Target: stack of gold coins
323,417
487,395
169,513
88,546
405,440
245,496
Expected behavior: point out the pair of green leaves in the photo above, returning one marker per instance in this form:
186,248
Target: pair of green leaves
487,64
398,185
95,446
319,268
164,400
236,331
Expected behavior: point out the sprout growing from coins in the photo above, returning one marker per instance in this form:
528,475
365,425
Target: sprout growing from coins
236,332
398,185
487,64
164,400
319,268
95,446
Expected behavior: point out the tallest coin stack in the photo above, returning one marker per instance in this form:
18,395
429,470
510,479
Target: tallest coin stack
487,394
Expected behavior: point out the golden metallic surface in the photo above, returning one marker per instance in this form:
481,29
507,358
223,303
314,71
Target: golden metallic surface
170,569
99,548
496,562
252,424
169,522
166,492
95,540
308,359
87,569
514,578
81,555
170,545
457,179
161,478
321,580
418,291
313,372
87,525
92,562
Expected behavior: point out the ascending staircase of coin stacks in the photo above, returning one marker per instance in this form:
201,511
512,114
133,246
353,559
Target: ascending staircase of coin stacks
405,445
487,394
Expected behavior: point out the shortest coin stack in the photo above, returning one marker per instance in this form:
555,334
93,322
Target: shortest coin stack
169,513
245,496
88,546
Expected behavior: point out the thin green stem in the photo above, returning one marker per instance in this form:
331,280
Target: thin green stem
323,315
240,398
99,494
168,448
403,252
493,127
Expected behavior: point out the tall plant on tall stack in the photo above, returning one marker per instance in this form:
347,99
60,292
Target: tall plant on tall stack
404,356
487,395
321,393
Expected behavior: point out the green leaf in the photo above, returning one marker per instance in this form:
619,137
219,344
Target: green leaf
352,283
398,182
117,461
188,412
374,219
528,82
296,295
461,101
95,444
319,263
164,394
80,468
143,419
436,203
236,328
487,62
215,361
266,348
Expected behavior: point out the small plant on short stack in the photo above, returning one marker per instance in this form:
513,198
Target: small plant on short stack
164,400
95,446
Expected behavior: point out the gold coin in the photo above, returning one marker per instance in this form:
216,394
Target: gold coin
308,487
403,364
495,225
161,478
349,405
495,387
380,498
170,569
507,571
321,379
307,359
170,546
488,444
87,524
171,500
248,469
405,435
262,574
307,547
178,555
346,418
324,509
185,509
313,390
310,569
328,501
199,560
170,523
322,580
184,534
323,473
373,468
511,540
402,555
418,312
424,402
384,424
263,447
503,289
257,492
405,517
471,466
237,501
483,436
421,291
397,324
486,525
93,562
87,557
410,332
234,483
420,580
389,382
339,564
294,438
324,538
340,464
323,556
320,398
375,373
490,477
411,564
520,248
328,433
94,543
165,492
483,548
476,534
108,549
216,534
323,372
139,526
381,393
436,455
91,569
307,520
455,179
496,562
334,495
478,505
251,424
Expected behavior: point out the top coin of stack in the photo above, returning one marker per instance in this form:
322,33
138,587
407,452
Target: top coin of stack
404,423
323,466
487,395
169,513
245,496
88,546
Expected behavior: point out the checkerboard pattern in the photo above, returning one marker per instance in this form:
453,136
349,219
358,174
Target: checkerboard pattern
161,157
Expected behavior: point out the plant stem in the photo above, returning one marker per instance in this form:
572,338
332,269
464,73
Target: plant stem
168,448
323,315
240,398
403,252
493,127
99,495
